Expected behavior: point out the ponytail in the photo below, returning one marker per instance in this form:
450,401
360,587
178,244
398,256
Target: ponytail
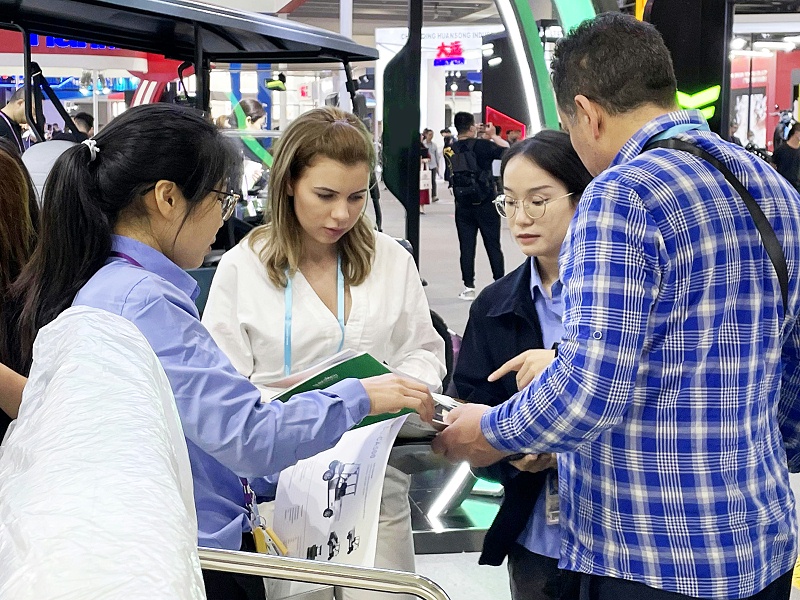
93,183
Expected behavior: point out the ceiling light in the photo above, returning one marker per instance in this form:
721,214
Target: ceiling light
453,87
493,62
794,39
488,46
785,46
738,43
471,88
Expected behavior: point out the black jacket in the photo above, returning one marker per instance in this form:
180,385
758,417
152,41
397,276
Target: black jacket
502,324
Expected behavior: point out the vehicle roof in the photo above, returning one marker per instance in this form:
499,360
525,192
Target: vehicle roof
167,27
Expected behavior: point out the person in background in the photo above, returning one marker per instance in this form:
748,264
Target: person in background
474,190
447,137
12,117
513,136
85,124
223,122
543,180
19,216
249,114
787,157
732,137
424,163
435,156
673,400
125,213
340,284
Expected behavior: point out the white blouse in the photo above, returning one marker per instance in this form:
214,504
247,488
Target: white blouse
389,318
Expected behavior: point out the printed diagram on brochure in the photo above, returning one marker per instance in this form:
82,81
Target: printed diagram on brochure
352,540
342,481
312,552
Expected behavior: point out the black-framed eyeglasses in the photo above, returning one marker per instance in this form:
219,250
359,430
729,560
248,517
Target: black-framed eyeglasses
228,201
534,206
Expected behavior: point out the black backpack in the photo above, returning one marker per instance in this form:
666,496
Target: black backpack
471,184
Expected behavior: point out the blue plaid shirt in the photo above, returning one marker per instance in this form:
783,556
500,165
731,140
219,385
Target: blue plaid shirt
665,399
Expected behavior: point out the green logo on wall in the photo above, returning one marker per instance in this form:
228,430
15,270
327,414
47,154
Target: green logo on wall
701,100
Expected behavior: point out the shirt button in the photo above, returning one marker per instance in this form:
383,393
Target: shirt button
597,335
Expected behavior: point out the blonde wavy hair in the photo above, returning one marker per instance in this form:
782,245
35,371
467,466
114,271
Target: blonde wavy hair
323,132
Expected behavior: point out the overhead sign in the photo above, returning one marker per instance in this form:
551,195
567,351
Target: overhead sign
449,54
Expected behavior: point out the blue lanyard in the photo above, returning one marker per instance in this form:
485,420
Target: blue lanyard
287,320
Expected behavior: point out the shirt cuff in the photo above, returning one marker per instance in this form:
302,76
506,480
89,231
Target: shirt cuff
491,430
354,397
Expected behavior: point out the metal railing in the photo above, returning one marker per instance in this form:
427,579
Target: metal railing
309,571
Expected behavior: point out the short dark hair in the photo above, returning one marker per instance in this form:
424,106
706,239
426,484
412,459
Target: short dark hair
85,119
616,61
447,131
794,130
463,121
552,151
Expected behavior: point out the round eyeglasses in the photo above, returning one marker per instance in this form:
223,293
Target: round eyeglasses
228,201
534,206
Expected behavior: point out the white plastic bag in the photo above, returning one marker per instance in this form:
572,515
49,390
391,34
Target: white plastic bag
95,486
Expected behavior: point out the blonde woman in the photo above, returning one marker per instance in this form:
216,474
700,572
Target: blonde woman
316,278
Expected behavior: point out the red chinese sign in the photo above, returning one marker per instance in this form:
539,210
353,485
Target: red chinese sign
452,50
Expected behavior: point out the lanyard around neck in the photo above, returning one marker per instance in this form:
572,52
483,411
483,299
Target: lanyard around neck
128,259
287,320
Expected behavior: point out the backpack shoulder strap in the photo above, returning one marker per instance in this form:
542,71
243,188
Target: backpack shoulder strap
768,237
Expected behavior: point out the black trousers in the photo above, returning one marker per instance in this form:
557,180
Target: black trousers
433,184
469,220
233,586
608,588
536,577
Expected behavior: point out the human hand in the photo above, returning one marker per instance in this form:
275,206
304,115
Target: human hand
528,366
391,393
533,463
463,438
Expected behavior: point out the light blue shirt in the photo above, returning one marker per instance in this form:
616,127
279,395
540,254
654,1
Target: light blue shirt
229,431
538,536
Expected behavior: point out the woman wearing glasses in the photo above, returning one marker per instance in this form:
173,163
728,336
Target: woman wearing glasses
125,213
513,324
333,283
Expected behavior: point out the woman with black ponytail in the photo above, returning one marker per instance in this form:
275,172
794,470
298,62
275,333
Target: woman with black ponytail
124,213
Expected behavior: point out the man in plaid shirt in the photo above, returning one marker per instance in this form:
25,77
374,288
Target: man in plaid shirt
673,398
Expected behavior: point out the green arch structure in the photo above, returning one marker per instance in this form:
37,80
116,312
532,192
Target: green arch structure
570,13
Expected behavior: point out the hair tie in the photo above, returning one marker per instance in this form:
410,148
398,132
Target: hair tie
93,149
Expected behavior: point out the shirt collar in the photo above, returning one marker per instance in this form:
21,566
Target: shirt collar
155,262
536,284
633,147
